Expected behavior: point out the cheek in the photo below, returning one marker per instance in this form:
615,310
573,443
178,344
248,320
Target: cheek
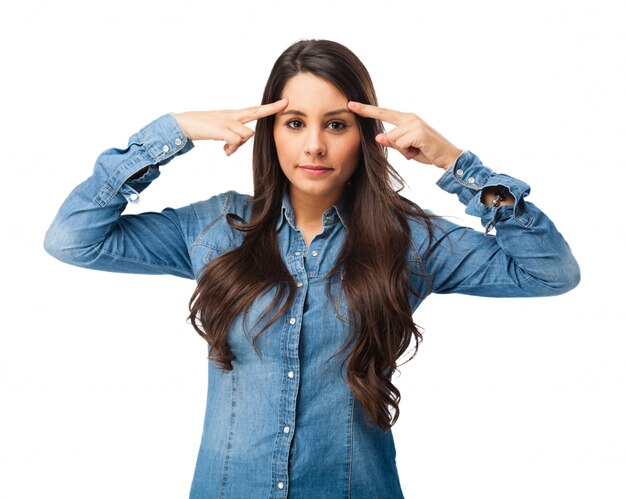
278,143
287,153
353,151
284,147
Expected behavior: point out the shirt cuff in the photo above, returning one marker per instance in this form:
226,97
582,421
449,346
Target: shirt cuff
164,139
468,176
155,144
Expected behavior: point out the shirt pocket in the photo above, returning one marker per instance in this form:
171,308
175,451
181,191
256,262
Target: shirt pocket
202,253
339,300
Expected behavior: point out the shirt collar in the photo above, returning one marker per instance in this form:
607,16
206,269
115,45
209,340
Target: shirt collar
338,211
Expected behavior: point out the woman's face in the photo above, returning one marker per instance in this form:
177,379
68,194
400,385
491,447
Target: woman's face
317,138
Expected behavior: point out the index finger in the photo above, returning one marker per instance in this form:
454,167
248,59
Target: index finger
378,113
258,112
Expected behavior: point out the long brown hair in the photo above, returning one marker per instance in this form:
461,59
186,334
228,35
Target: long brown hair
373,260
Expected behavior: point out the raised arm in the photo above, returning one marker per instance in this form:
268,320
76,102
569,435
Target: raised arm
89,229
527,256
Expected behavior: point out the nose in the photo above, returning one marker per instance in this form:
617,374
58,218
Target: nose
314,145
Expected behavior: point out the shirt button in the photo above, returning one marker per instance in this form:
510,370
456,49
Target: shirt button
166,148
281,485
134,197
459,172
292,320
299,284
298,253
471,180
290,374
286,429
178,142
314,253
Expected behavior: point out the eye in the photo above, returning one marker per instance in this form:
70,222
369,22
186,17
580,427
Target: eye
336,126
294,124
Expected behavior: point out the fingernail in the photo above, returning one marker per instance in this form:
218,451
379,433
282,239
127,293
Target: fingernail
353,105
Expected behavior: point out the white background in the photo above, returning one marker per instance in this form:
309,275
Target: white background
102,381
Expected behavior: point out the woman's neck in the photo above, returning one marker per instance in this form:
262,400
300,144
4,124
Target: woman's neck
309,209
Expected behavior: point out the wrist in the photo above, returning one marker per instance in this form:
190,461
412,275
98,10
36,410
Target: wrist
452,158
181,119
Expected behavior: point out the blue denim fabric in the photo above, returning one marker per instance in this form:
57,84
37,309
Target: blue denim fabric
283,421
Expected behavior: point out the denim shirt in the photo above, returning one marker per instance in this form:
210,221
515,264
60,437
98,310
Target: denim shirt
284,422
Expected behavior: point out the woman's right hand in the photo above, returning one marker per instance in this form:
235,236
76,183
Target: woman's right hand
226,125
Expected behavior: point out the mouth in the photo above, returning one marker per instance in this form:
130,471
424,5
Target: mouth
315,169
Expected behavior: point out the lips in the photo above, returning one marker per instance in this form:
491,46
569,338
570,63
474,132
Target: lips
315,170
315,167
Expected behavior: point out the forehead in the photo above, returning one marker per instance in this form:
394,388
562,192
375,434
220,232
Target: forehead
310,91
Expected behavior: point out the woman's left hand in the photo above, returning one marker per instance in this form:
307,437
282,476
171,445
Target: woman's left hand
412,137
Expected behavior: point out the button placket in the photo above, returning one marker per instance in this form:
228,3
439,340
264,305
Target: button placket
290,381
314,256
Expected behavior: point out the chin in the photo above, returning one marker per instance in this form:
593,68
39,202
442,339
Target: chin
318,190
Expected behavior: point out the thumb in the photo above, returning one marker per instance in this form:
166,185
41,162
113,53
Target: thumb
229,149
412,153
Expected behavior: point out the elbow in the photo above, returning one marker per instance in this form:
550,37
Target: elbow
52,243
55,244
574,277
565,277
571,275
60,243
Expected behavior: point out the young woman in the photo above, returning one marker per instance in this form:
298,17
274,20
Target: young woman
306,290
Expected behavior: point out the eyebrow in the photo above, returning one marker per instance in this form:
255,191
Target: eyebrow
329,113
